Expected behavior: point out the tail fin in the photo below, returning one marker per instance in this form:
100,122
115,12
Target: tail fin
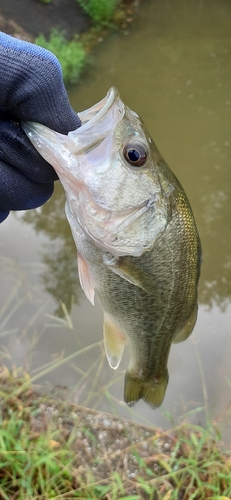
152,391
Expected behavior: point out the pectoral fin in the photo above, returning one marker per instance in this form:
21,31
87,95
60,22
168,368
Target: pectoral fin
187,329
130,271
85,278
114,342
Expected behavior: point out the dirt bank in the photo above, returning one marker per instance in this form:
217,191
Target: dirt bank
28,18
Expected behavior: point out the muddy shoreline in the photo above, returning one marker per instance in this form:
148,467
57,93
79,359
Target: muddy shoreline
26,19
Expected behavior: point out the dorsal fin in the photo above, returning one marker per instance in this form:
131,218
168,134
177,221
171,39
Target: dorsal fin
187,329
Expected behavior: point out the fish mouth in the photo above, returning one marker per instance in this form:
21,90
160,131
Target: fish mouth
97,122
99,109
53,145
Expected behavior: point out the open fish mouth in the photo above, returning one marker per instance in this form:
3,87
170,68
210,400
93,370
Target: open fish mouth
53,145
97,122
99,110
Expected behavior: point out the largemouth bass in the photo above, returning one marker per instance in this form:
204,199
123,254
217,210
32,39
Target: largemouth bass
137,242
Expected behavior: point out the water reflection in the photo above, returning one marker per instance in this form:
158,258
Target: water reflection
172,66
60,277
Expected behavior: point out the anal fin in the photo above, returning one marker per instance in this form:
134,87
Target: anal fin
114,342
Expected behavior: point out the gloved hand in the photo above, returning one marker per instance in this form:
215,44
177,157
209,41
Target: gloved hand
31,89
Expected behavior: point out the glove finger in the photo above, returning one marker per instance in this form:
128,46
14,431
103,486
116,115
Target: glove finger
3,215
32,87
17,151
20,193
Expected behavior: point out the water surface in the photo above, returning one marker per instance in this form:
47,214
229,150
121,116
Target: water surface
172,65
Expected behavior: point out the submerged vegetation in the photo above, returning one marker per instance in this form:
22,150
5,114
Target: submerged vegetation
100,11
54,449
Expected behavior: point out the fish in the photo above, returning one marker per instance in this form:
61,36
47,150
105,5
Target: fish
138,247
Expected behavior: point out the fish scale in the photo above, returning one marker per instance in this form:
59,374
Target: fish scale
136,237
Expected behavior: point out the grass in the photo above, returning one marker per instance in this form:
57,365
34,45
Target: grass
53,449
30,465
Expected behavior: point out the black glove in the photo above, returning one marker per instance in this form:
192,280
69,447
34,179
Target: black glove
31,89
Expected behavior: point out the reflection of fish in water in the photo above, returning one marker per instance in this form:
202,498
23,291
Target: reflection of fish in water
138,246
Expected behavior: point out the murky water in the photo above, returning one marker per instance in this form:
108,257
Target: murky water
172,65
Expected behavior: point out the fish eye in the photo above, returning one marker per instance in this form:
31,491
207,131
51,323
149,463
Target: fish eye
135,153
